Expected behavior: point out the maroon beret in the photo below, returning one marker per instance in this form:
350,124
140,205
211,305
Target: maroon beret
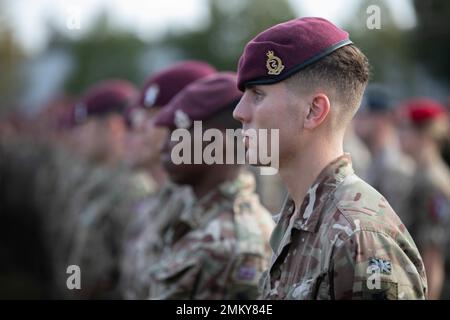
200,100
286,48
419,110
104,97
161,87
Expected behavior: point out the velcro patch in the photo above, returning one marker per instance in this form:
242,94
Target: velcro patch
386,291
246,273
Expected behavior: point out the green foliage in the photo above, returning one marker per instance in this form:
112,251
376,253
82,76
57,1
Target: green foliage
11,56
104,52
431,39
386,47
231,25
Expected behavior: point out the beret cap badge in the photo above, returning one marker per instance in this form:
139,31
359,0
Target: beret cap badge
274,64
182,120
151,95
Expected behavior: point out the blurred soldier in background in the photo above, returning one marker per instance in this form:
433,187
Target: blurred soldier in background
361,157
29,176
54,117
99,129
389,171
423,127
143,146
93,194
26,270
217,246
446,146
143,139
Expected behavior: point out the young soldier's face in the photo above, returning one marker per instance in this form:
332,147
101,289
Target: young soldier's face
272,107
144,140
183,173
99,138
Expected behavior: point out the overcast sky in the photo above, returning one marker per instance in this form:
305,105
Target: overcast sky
149,18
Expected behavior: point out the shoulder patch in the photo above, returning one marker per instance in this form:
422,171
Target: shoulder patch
248,269
384,266
439,208
386,291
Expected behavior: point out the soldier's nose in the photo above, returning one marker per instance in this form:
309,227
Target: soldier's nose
241,113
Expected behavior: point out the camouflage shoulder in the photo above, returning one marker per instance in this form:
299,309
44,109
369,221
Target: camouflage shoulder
362,207
368,236
372,265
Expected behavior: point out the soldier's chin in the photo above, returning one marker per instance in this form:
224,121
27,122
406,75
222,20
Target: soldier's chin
261,165
177,178
167,164
248,152
175,173
252,158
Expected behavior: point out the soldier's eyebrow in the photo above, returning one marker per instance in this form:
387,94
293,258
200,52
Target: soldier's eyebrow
254,87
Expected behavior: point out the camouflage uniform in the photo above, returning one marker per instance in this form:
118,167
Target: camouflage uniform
360,153
142,245
41,169
58,184
344,242
99,219
85,209
391,174
25,267
429,207
216,248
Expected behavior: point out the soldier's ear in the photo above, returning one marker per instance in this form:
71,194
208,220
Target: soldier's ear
317,112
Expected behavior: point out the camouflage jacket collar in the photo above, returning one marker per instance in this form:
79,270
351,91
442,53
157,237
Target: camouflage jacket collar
220,198
307,217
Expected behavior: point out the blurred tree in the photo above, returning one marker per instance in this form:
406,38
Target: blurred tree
431,39
387,48
410,62
103,52
231,25
11,55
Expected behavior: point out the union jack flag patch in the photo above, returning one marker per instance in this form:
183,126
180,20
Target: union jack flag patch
384,266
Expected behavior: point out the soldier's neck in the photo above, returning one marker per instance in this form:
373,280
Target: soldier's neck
158,174
213,178
300,172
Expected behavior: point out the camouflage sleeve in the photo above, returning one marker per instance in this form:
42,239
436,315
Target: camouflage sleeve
206,275
179,275
434,214
206,269
245,274
371,265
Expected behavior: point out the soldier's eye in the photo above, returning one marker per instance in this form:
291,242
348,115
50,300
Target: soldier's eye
258,95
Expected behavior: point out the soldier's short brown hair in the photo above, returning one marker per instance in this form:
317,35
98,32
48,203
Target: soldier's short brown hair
344,74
